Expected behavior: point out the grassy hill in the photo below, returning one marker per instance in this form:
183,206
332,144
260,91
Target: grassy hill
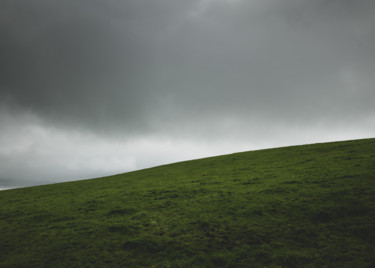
300,206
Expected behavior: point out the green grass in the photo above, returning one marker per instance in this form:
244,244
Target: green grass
300,206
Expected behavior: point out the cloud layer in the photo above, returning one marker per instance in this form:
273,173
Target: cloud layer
213,72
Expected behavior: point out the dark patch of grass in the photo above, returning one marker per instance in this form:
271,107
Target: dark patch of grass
121,212
122,229
301,206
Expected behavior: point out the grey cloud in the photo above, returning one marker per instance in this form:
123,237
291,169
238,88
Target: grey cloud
268,67
130,66
79,61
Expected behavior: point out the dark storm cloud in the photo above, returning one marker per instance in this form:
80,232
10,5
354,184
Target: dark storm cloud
137,66
84,62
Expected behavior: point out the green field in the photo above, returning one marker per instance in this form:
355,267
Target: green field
300,206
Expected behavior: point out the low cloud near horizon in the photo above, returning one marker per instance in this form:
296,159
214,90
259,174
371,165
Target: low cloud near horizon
94,88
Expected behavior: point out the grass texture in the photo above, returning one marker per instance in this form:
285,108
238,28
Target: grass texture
300,206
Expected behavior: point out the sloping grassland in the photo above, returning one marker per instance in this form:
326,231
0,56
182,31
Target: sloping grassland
300,206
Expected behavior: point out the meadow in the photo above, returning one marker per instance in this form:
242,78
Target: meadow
299,206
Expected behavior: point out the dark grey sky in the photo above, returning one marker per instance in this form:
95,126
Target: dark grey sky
89,88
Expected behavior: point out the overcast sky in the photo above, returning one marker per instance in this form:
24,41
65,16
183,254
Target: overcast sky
97,87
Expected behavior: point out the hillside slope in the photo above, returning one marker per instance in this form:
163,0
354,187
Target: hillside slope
300,206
